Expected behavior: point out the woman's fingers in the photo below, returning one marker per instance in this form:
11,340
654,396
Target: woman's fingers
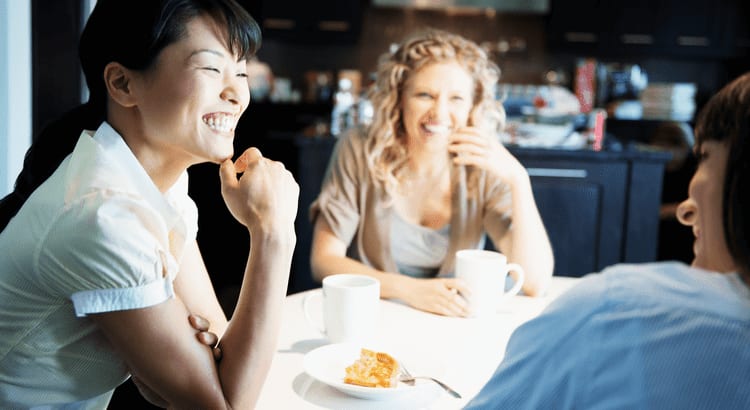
250,156
229,169
204,336
208,338
453,303
199,322
218,354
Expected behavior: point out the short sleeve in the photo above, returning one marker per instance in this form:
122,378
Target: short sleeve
107,252
338,201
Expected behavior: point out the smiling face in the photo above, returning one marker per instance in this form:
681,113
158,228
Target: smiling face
189,102
436,100
703,209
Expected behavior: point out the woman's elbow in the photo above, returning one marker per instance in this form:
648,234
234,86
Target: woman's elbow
317,266
538,283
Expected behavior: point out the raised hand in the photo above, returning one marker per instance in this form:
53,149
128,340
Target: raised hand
265,195
469,146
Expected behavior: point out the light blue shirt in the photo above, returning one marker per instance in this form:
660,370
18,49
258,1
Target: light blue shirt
650,336
97,236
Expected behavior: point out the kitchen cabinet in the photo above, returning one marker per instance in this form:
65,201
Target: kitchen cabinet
617,28
308,22
740,40
599,208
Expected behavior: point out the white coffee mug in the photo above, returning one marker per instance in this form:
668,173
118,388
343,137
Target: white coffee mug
350,308
484,273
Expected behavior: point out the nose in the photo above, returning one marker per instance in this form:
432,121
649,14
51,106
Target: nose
230,94
236,91
686,212
440,110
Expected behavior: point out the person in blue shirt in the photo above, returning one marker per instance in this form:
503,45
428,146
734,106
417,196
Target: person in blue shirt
656,335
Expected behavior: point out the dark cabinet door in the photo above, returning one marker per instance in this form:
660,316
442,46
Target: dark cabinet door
575,25
698,27
300,21
635,27
620,28
582,206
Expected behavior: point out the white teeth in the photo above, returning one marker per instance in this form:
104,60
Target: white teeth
221,123
438,129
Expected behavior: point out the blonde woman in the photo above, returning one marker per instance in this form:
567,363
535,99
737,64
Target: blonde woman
427,178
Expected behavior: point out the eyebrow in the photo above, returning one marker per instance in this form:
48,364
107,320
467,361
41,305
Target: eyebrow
211,51
206,50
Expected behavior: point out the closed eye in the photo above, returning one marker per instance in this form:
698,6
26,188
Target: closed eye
211,69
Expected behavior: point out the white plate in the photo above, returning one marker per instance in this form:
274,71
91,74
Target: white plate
327,365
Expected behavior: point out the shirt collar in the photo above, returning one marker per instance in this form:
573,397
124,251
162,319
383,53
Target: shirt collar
132,176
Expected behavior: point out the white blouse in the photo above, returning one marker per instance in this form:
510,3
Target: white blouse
97,236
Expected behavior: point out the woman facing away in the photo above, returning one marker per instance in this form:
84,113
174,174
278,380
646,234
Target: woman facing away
657,335
100,269
427,178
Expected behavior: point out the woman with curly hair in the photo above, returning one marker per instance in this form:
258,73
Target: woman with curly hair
427,178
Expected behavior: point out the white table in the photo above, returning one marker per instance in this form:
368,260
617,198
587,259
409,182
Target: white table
462,352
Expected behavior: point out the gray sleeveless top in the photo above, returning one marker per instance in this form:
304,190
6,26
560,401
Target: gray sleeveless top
417,250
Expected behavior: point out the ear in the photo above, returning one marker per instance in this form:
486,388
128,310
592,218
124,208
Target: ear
117,79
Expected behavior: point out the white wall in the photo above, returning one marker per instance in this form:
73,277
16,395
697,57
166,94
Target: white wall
15,89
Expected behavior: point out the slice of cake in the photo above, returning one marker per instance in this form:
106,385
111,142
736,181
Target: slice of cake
373,369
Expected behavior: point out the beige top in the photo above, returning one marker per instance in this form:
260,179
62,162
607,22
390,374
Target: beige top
357,210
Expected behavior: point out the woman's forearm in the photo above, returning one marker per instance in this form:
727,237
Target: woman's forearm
529,244
251,336
392,285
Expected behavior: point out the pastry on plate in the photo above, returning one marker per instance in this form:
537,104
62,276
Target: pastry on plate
373,369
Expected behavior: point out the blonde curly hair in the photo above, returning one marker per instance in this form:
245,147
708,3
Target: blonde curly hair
385,145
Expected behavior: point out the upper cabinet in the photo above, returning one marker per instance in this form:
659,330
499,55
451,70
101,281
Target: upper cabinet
741,33
308,22
675,28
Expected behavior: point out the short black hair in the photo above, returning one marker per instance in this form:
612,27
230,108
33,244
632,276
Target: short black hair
134,32
726,118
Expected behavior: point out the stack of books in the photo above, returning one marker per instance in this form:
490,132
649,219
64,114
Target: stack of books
669,101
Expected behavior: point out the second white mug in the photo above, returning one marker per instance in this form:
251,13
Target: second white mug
484,273
350,308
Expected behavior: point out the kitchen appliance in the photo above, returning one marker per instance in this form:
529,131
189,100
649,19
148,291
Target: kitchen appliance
619,82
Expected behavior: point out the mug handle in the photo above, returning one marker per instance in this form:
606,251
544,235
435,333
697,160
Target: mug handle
519,279
306,311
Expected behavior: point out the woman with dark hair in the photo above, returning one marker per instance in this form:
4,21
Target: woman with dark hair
659,335
101,277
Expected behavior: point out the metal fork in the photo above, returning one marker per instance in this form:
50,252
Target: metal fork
406,378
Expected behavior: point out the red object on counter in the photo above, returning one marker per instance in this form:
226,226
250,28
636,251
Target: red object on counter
585,84
539,102
599,117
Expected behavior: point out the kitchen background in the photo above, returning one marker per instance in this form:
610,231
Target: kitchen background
698,44
701,42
